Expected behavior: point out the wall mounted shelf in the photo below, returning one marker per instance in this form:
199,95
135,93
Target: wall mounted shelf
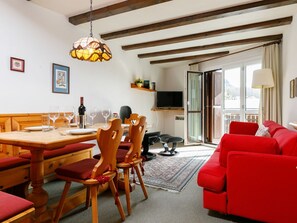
141,88
167,109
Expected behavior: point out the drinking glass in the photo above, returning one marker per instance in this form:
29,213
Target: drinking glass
93,114
105,114
69,114
54,114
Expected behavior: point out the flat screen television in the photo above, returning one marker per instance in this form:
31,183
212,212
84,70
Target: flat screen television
169,99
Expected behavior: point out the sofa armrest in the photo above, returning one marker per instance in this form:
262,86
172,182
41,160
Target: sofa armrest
246,143
262,186
243,128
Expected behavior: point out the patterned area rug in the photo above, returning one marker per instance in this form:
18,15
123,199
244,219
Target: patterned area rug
172,173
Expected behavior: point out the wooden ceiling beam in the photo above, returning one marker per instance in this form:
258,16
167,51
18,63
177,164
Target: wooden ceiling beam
213,33
111,10
213,46
195,57
202,17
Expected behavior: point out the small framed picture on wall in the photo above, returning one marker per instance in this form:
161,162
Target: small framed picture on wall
61,76
292,88
17,64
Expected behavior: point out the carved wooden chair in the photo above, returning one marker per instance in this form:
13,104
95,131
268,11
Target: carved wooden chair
93,172
131,159
15,209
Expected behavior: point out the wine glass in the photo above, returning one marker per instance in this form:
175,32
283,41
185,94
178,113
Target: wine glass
93,114
69,114
105,114
54,114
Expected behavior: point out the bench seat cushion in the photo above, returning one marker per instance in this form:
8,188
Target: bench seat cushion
62,151
11,162
11,205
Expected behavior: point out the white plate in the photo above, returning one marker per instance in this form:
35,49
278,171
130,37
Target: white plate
73,124
36,128
81,131
125,125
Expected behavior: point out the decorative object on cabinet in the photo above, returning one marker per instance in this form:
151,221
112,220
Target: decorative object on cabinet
139,82
17,64
146,84
61,76
141,88
89,48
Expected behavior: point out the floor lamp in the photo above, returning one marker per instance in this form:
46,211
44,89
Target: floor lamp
262,78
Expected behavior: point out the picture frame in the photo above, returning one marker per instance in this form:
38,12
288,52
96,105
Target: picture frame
292,88
61,79
295,87
17,64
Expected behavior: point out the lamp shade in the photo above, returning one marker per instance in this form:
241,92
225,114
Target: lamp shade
262,78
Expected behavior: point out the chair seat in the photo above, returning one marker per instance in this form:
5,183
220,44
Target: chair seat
62,151
11,162
78,170
11,205
120,155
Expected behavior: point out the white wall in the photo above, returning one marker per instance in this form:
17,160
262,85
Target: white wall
173,81
289,72
42,37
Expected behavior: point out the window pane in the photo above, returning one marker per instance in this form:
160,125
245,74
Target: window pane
232,88
252,94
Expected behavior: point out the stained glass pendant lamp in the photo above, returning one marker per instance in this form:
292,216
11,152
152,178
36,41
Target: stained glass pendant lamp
90,48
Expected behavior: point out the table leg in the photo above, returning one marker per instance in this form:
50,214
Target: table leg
38,195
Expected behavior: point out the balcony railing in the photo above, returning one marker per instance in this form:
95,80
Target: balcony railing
229,117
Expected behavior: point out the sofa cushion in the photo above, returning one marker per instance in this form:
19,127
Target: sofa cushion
243,128
62,151
263,131
287,141
246,143
272,127
212,175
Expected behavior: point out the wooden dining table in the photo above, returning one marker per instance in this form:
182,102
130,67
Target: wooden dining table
37,142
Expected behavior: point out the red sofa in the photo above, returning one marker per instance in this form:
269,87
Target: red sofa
253,176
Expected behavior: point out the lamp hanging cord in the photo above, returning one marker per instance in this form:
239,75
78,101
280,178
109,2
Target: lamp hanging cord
91,18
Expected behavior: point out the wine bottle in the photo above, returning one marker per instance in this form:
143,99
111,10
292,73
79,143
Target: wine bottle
81,113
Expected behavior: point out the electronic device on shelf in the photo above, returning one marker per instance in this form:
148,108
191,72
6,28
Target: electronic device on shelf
169,99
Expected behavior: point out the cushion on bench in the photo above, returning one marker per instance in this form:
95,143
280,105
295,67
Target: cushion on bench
212,176
11,162
11,205
62,151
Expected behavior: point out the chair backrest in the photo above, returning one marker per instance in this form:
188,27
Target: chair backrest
134,117
108,142
136,134
125,112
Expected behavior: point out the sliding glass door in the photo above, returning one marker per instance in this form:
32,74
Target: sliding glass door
194,108
241,102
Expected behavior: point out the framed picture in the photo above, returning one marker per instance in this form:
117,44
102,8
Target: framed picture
295,89
17,64
61,76
292,88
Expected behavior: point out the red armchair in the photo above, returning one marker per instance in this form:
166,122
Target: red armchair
252,176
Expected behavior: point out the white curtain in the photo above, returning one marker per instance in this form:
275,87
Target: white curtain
272,96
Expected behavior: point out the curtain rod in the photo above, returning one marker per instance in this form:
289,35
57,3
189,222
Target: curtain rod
214,58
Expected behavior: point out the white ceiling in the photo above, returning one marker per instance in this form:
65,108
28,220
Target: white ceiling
170,10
